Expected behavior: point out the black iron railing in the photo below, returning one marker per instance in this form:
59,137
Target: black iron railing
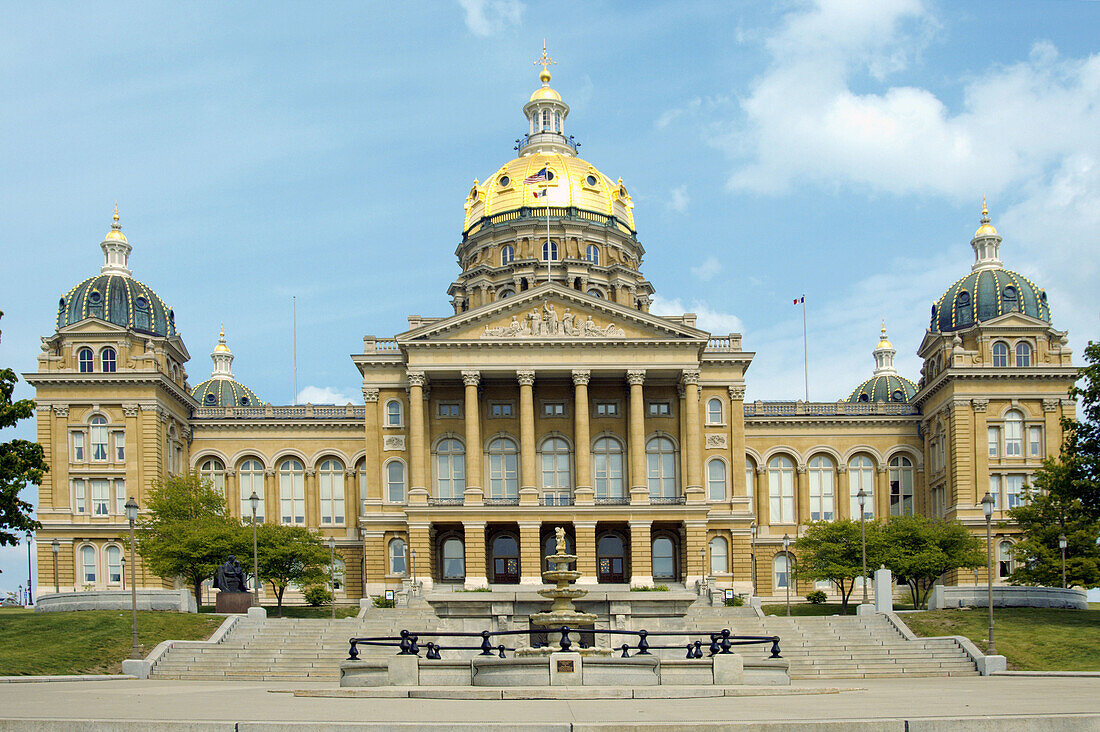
408,643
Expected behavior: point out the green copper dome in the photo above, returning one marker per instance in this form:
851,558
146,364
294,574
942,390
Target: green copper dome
986,294
222,392
120,300
885,388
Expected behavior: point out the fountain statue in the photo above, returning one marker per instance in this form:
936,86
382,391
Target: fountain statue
562,611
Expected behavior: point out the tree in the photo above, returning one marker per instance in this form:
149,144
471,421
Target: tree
290,555
1081,449
21,463
920,550
186,532
831,550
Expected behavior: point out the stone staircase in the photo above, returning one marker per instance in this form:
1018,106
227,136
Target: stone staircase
288,648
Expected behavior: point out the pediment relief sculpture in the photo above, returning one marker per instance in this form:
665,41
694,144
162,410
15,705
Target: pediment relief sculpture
545,322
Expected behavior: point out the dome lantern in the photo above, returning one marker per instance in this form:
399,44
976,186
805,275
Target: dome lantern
546,114
884,354
116,250
986,243
222,357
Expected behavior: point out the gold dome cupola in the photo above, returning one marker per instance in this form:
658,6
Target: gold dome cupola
986,244
116,250
546,114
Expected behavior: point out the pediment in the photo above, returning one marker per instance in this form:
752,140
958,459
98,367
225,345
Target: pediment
92,325
1014,320
552,312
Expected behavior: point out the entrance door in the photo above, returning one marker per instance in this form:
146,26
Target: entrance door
609,559
505,559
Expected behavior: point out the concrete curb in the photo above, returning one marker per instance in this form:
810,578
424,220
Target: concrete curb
65,677
1053,674
141,668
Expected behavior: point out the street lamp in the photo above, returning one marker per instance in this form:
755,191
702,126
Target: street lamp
787,570
1062,546
752,555
55,545
254,502
123,561
987,509
861,499
332,571
703,568
131,516
412,568
30,591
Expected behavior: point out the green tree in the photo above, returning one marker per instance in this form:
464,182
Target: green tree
186,532
290,555
920,550
1081,449
21,463
831,550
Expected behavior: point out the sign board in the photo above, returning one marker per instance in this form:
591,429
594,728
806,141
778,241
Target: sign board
729,594
389,595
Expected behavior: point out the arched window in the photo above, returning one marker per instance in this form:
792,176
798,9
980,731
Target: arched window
546,120
505,293
557,121
781,566
397,554
556,475
213,470
251,480
716,480
660,456
450,469
592,254
393,413
750,479
822,488
781,490
503,468
861,475
292,492
108,360
550,252
1011,300
1000,355
454,559
114,565
963,314
664,558
901,486
595,293
610,558
97,437
504,556
719,555
607,468
339,573
395,481
1005,564
1014,434
507,254
330,484
714,411
87,560
85,360
1023,354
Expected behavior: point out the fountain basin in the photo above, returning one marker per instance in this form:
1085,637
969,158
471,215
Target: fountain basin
572,593
561,575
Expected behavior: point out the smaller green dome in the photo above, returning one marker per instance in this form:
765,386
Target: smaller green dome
222,392
885,388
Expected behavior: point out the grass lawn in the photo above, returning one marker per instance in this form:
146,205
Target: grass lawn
806,609
301,611
88,641
1032,639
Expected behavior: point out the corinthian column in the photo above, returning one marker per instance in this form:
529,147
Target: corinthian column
581,436
473,431
528,489
694,446
418,458
639,490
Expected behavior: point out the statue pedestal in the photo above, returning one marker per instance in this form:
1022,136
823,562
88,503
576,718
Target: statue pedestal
232,602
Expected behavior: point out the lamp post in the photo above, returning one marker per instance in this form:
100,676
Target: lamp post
987,509
412,567
702,569
30,591
861,499
787,571
55,545
332,571
752,555
122,560
1062,546
131,516
254,502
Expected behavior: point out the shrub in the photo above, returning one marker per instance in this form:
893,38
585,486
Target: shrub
650,588
817,597
735,601
380,601
317,595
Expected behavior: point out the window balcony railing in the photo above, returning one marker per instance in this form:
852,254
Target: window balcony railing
612,501
445,501
502,501
827,409
666,500
556,501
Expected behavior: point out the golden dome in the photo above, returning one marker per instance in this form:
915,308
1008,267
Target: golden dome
115,234
986,229
545,92
575,182
884,343
221,347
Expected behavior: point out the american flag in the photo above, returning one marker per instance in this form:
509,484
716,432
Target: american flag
540,177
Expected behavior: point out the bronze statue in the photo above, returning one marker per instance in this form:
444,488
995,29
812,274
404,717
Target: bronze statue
230,577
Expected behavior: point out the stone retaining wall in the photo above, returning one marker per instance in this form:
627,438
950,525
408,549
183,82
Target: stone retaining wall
180,601
1007,596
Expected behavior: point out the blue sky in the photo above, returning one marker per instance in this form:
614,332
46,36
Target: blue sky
263,151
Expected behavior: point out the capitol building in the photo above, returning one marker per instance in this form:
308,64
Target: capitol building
547,394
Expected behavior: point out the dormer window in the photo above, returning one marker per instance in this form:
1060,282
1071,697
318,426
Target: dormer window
549,252
962,309
898,395
85,360
1011,300
108,360
864,398
210,399
244,401
1000,355
592,254
507,254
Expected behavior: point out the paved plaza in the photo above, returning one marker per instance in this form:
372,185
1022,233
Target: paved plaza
1010,703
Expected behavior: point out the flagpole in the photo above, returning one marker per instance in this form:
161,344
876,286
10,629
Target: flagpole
805,349
548,248
294,342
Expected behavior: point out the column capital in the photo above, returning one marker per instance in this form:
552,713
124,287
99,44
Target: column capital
1050,405
737,393
801,467
370,394
525,378
690,376
640,523
979,405
635,377
473,524
416,377
584,525
61,410
581,376
471,377
130,410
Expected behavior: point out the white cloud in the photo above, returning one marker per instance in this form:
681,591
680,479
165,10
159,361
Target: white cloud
486,17
323,395
678,199
707,269
709,320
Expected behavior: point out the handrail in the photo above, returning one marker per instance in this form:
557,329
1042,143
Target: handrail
408,643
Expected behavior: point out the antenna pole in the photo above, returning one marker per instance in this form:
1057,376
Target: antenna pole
805,349
294,343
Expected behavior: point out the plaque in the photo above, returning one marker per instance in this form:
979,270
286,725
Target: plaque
565,667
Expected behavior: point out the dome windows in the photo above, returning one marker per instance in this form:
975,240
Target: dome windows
898,396
592,254
507,254
505,181
140,303
590,180
210,399
244,401
95,297
963,314
550,252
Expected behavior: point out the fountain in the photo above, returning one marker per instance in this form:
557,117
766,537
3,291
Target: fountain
562,612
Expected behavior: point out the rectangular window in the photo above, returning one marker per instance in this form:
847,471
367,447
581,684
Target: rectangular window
98,440
501,410
553,409
938,501
750,481
292,497
78,447
821,495
78,495
1035,441
660,409
120,496
781,496
994,441
120,447
1014,490
449,410
114,565
331,490
100,497
1014,438
607,409
995,491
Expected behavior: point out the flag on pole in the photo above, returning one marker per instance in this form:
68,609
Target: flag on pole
541,193
798,300
540,177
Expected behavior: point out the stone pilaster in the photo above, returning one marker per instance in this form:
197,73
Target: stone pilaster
372,427
585,533
418,454
475,554
639,485
420,541
641,554
738,487
693,490
474,480
582,437
530,553
528,475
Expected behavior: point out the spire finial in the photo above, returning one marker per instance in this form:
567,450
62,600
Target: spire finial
221,332
115,217
545,61
985,212
884,328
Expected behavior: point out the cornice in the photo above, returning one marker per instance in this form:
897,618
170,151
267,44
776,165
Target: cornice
986,373
121,378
